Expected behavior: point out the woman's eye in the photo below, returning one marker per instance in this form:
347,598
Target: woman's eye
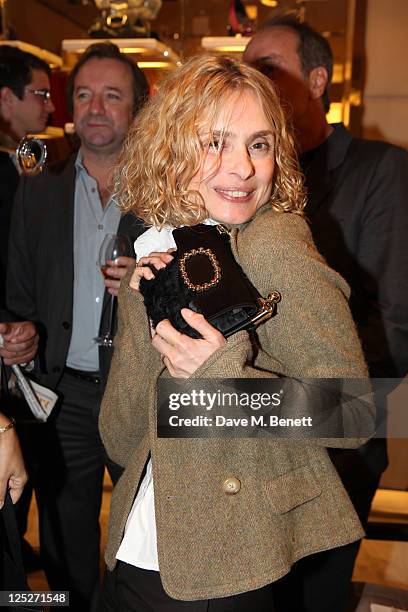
215,146
259,147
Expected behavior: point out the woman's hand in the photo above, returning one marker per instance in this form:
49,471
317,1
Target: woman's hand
183,355
158,260
13,475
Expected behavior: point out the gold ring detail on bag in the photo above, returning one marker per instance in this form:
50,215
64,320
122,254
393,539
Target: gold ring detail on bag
216,267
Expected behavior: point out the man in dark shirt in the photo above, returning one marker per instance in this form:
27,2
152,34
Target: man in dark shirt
357,205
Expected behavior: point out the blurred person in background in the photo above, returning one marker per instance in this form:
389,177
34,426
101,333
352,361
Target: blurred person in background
356,203
25,107
60,220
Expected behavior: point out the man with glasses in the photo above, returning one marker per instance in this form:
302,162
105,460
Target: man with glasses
25,105
25,97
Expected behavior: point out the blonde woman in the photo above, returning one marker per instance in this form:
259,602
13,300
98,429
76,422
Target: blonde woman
210,524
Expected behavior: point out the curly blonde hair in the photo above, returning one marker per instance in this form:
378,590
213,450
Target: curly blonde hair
163,151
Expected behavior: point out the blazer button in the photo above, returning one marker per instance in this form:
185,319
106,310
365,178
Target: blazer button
231,486
66,325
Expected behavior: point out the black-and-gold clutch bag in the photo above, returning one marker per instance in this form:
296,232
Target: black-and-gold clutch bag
205,277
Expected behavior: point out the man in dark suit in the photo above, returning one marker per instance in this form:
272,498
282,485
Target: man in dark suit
357,205
59,222
25,105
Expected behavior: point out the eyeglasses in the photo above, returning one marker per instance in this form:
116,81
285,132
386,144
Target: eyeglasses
45,94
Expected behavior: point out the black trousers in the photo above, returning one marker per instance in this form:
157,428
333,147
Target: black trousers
68,480
321,582
131,589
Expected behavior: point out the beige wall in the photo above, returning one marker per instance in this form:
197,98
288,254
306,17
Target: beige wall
386,90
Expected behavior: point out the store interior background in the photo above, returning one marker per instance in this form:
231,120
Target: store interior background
379,43
370,43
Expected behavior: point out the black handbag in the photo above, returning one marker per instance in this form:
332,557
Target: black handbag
205,277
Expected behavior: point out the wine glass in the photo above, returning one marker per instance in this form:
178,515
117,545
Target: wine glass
112,247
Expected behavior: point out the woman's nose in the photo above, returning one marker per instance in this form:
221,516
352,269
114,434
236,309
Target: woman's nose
239,162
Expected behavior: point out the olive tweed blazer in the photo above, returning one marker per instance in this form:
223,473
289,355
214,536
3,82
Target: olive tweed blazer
291,502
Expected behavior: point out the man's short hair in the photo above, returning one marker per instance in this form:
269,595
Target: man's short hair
313,49
107,50
16,69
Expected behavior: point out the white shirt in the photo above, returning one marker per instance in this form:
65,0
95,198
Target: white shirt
139,544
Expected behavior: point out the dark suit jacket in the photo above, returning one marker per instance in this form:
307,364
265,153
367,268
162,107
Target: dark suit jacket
8,186
5,316
41,271
358,208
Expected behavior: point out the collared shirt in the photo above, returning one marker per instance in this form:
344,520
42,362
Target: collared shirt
91,224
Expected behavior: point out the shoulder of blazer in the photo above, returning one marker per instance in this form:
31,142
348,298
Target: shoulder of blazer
60,169
131,225
54,188
362,152
342,148
60,174
5,162
281,227
8,173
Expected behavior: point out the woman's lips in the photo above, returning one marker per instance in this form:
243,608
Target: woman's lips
235,195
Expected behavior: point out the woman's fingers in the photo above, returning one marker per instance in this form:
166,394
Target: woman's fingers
158,260
143,268
199,323
139,273
183,355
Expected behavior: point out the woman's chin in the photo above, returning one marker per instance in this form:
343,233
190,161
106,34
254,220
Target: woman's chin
233,217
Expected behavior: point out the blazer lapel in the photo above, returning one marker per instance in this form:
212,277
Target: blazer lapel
131,226
65,223
319,167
